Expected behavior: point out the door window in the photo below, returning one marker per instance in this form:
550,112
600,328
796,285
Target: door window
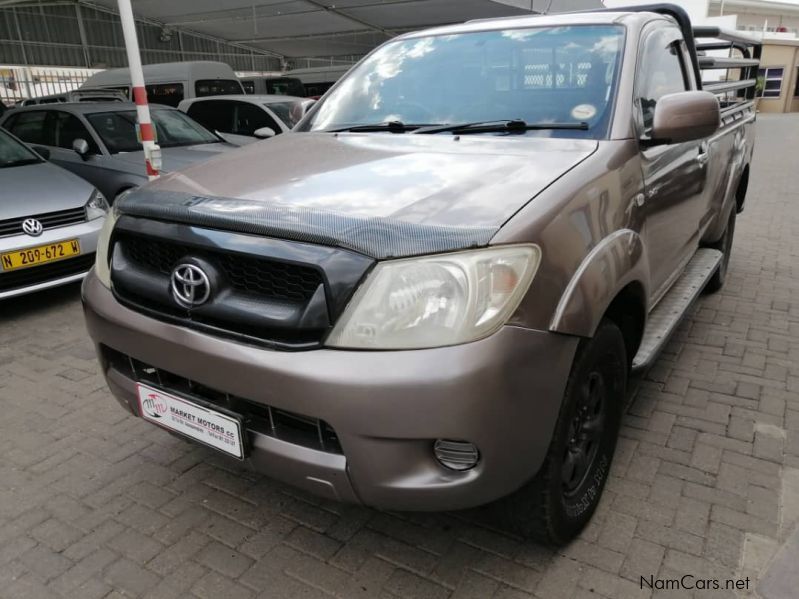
68,129
250,118
35,127
169,94
216,87
214,115
661,72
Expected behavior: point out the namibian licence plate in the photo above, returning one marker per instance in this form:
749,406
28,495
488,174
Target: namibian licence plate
210,427
39,255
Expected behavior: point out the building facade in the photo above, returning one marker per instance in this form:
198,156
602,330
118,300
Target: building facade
779,69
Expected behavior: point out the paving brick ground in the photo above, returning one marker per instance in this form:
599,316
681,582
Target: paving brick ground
95,503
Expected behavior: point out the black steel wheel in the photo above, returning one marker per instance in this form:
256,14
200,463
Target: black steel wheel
585,432
560,500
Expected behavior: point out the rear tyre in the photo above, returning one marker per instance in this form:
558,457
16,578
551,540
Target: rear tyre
556,505
724,245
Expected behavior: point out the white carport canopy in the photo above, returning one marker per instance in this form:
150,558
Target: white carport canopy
326,28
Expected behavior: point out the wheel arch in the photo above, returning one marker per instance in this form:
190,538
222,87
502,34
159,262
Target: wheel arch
628,312
611,282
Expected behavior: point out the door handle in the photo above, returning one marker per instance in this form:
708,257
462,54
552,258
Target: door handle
703,156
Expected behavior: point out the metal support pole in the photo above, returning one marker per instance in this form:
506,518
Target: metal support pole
26,73
82,31
152,153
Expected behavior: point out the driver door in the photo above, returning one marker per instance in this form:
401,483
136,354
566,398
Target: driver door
674,174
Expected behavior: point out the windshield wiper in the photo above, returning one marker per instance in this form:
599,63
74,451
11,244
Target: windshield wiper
22,162
390,126
510,126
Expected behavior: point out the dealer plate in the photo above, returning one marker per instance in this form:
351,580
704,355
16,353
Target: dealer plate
202,424
39,255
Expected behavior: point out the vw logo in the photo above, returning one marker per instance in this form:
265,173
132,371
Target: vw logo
190,285
32,227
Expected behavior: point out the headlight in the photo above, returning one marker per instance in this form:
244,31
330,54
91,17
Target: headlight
437,300
101,266
96,206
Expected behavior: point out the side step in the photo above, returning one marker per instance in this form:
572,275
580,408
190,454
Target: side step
663,320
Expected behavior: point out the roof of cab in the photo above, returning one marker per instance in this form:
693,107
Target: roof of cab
197,68
527,21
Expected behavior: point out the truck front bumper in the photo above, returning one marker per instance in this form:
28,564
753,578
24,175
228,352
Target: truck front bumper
502,393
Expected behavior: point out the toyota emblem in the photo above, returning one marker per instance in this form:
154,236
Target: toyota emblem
32,227
190,285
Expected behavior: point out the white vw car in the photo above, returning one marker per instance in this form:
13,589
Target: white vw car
49,221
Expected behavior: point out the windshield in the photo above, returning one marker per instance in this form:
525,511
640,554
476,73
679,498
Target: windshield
172,129
13,153
536,75
285,86
288,112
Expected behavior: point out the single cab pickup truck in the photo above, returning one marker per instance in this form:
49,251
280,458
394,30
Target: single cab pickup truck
431,294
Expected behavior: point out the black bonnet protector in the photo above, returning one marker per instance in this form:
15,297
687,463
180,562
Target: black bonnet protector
377,237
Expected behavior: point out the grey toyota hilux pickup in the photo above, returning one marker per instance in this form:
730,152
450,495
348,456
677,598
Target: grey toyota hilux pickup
431,294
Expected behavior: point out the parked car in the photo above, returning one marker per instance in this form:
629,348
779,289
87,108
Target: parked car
245,119
49,221
430,295
98,141
281,86
79,95
170,82
317,80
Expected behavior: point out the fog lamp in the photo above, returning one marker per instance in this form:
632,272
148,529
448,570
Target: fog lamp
456,455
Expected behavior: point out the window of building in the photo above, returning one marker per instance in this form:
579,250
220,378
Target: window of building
796,89
772,81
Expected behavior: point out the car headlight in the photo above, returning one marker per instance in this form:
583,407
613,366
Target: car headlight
102,268
438,300
96,206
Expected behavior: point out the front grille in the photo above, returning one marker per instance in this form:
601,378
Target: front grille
25,277
260,418
258,276
49,220
271,279
263,291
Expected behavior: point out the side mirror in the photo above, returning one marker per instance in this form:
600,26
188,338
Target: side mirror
81,147
42,151
685,116
264,133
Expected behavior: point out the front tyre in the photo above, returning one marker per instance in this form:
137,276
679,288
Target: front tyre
560,500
